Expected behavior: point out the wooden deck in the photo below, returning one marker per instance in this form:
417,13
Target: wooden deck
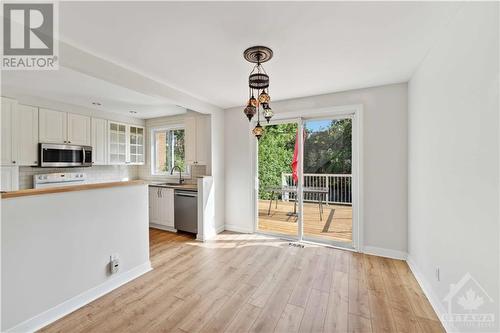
336,224
242,283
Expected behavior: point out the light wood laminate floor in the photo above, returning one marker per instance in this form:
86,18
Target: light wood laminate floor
250,283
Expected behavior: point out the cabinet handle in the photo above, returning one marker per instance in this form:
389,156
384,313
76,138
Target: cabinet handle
13,162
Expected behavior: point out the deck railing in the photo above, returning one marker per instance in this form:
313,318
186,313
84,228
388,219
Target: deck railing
339,187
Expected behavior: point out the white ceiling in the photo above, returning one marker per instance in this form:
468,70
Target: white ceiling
319,47
71,87
196,48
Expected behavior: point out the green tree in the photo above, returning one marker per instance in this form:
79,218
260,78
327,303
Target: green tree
329,150
275,155
326,150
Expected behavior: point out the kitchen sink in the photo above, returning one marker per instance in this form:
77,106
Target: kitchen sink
177,185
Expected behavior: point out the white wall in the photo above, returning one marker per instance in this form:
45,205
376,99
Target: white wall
219,175
385,162
454,155
56,249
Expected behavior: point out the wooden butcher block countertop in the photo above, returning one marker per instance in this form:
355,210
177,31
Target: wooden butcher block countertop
72,188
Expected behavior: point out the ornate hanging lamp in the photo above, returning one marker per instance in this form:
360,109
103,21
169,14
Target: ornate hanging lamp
258,84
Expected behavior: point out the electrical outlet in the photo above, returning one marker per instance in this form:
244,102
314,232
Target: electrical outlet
438,276
114,263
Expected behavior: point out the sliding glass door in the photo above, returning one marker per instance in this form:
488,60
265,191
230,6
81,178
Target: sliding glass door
276,194
305,180
327,181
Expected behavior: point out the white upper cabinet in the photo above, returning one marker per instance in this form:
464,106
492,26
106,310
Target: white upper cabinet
19,134
63,127
197,138
52,126
25,136
136,144
190,140
7,123
126,144
117,143
203,140
78,129
23,127
99,141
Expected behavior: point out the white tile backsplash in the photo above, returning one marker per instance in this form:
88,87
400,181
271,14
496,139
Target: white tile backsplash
95,174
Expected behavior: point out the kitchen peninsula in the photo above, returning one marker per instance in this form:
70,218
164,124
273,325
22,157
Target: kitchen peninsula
65,238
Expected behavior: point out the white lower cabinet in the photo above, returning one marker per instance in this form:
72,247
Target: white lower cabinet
161,208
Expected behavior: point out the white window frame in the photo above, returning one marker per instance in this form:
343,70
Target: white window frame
152,145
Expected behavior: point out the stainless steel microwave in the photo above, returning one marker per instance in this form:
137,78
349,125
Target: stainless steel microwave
63,156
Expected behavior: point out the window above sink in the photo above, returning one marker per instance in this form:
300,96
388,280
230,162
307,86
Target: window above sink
168,150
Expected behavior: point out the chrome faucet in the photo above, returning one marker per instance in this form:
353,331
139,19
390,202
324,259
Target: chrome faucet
180,173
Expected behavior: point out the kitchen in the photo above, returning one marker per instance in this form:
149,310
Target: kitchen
44,148
100,182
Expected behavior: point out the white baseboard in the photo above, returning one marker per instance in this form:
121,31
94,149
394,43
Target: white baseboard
237,228
59,311
220,229
211,235
382,252
162,227
435,301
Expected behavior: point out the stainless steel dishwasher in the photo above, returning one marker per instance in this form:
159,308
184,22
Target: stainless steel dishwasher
186,211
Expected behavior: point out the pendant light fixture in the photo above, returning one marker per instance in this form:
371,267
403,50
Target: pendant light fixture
258,84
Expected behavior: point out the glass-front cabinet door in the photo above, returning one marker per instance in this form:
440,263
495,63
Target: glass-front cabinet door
126,144
117,143
136,139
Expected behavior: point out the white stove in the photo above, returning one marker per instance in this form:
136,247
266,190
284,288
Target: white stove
59,179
